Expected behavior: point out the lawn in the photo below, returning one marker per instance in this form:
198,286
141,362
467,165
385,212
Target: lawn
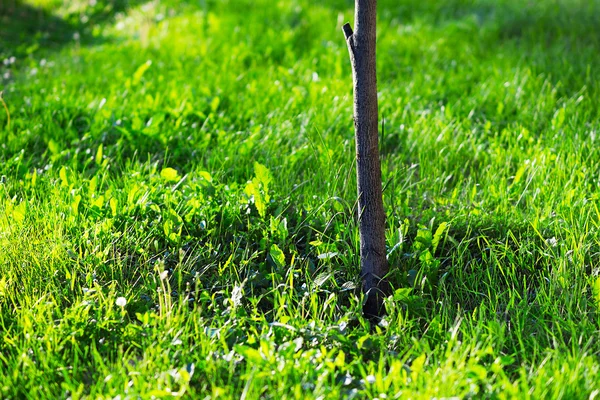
178,197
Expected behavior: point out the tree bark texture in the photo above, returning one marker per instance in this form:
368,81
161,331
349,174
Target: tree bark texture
374,266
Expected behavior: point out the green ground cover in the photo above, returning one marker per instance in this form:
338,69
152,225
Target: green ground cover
177,201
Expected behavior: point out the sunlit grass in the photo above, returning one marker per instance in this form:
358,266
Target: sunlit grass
177,201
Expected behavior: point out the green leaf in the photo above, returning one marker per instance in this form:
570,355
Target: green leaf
259,188
252,356
131,196
63,176
3,286
206,176
19,212
167,227
53,147
99,202
507,360
214,104
33,178
322,278
114,206
263,175
159,393
277,255
424,238
340,360
417,366
477,372
137,76
519,174
402,294
437,236
75,204
254,191
99,155
93,185
596,290
169,174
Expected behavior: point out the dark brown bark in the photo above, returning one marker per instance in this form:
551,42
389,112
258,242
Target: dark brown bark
374,266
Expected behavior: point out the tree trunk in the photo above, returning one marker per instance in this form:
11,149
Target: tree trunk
371,216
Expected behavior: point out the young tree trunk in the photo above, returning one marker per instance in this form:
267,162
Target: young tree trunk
371,216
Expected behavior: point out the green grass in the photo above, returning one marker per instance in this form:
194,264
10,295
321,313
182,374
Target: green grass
197,159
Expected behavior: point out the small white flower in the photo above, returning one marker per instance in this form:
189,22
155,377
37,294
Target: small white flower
164,275
121,301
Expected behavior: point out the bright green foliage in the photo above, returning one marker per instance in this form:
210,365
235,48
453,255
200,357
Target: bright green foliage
258,188
177,200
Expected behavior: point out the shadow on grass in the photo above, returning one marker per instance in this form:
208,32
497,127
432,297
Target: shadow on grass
552,36
25,28
535,289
